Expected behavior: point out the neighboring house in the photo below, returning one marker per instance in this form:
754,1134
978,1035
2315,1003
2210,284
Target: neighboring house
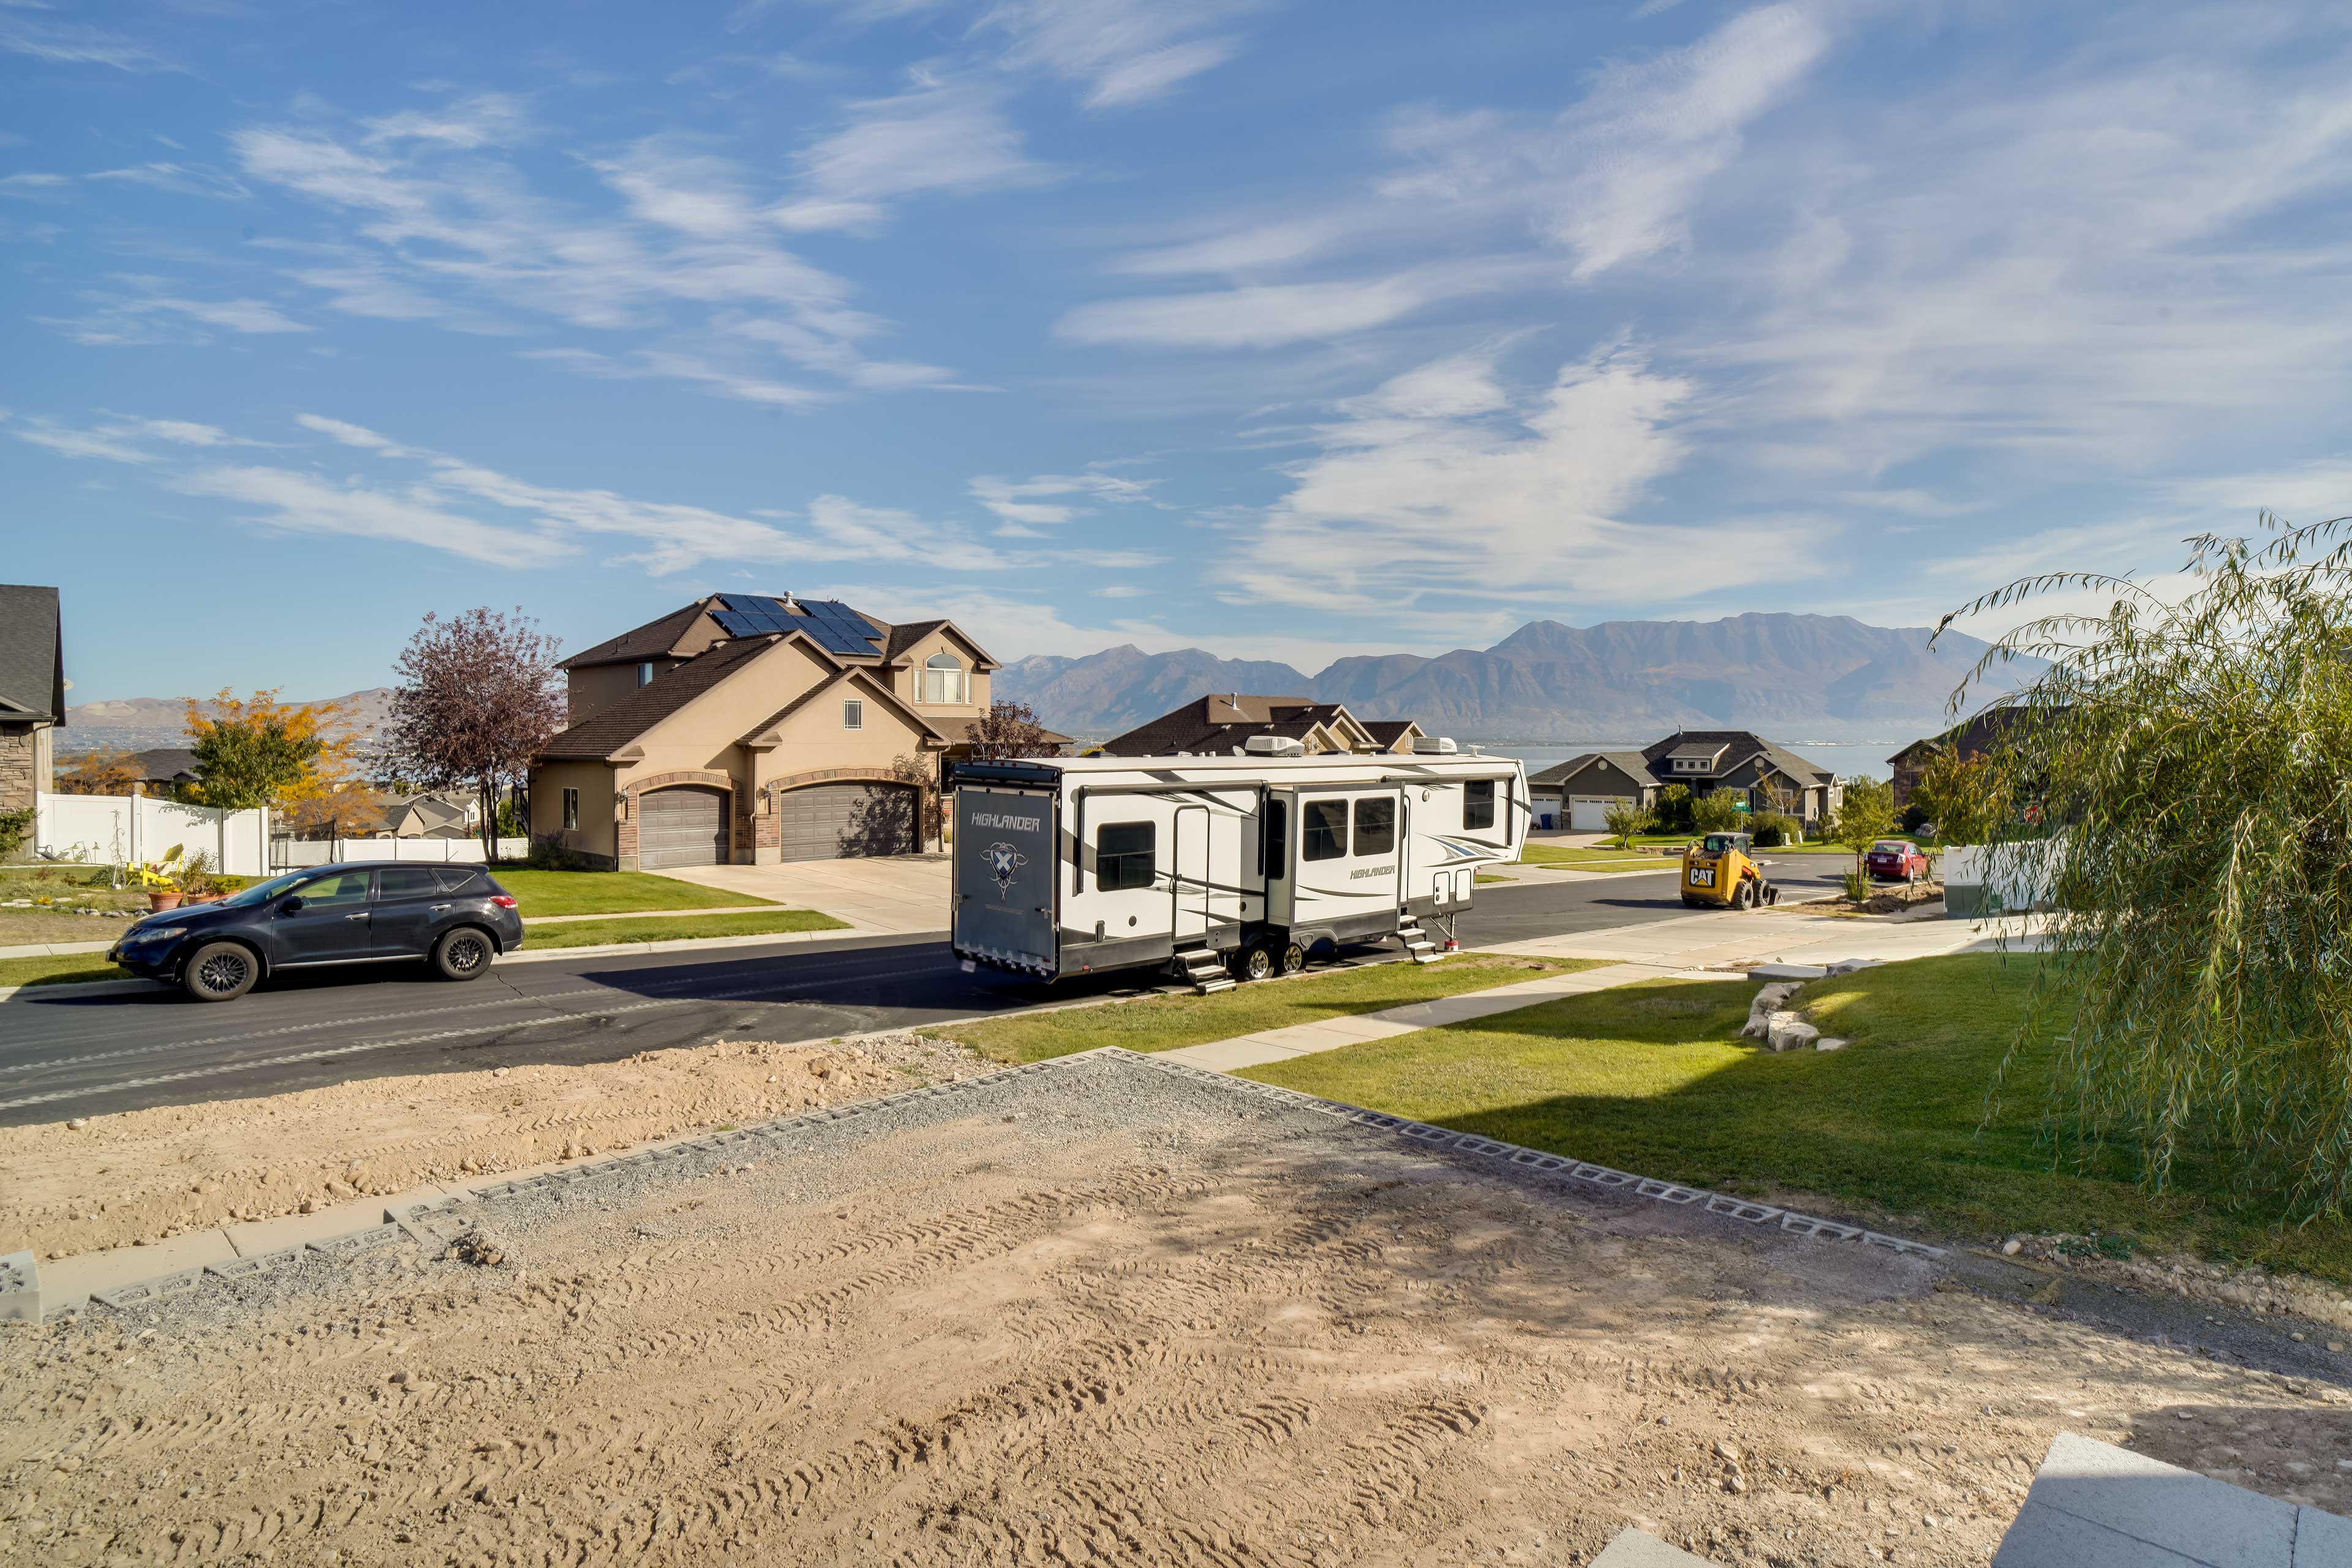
166,767
32,692
745,728
440,813
1988,731
1576,794
1221,724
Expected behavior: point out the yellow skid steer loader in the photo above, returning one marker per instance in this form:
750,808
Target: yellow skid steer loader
1719,872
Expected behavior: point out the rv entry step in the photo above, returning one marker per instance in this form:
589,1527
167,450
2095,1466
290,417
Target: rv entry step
1204,969
1418,945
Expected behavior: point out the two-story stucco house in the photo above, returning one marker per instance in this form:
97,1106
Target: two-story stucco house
750,729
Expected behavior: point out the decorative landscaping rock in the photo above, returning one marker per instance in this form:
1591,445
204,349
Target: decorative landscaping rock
1768,1001
1830,1043
1790,1033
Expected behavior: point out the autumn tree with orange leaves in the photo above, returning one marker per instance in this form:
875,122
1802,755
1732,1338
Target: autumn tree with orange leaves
292,757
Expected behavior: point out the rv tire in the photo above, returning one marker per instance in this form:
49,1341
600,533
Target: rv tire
1255,961
1294,958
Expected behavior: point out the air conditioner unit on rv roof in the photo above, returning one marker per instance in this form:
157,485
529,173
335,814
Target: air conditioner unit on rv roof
1274,746
1433,745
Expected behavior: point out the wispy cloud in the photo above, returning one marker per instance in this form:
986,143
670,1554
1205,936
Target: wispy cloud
72,44
117,320
1047,500
941,136
1442,483
120,439
1124,52
443,229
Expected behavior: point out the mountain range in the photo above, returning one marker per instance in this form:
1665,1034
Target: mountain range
1820,678
140,723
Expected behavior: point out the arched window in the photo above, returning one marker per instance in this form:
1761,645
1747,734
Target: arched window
943,679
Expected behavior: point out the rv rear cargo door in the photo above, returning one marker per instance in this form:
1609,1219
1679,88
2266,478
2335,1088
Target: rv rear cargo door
1004,880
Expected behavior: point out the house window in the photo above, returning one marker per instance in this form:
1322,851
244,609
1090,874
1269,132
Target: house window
943,679
1325,825
852,713
1375,825
646,673
1123,856
1478,804
571,811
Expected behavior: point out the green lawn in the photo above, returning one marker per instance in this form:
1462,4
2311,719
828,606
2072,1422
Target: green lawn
589,934
1652,1079
1165,1023
609,892
60,970
1535,853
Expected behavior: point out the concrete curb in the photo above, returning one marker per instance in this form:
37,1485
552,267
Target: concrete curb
432,1215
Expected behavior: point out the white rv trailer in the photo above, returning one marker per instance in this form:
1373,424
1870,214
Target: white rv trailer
1253,862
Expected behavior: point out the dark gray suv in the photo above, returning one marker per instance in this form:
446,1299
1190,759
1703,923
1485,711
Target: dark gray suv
456,917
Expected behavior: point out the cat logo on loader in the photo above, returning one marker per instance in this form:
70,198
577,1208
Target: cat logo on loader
1719,872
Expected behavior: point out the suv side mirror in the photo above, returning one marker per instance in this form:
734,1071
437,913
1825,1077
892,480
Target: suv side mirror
291,905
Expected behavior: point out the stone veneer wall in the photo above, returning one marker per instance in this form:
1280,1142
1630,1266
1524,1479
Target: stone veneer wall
19,754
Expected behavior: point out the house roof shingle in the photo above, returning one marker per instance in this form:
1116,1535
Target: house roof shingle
1635,766
606,730
1741,745
656,638
32,654
1224,719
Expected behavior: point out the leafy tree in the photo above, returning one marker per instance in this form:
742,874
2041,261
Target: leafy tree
258,751
1673,809
1864,815
478,696
16,831
922,773
2192,758
1955,794
1716,811
1010,730
100,773
1625,819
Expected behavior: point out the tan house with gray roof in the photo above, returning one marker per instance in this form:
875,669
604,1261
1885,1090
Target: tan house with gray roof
751,729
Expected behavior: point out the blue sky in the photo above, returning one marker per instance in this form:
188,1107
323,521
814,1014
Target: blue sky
1284,330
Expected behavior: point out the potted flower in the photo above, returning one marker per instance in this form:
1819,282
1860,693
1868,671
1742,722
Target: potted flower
160,879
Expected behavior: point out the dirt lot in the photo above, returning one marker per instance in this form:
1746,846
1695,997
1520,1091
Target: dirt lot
1092,1314
146,1175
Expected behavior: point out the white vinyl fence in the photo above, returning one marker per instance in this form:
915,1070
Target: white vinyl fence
116,828
293,853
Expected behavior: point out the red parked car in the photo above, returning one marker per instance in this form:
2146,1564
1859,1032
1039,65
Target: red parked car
1895,860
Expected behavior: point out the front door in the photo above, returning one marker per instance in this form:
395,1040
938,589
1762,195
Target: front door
1189,863
332,922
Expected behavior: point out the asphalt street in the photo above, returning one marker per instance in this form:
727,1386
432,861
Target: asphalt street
76,1055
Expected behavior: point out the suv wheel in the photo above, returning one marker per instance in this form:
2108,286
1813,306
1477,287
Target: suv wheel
462,955
220,972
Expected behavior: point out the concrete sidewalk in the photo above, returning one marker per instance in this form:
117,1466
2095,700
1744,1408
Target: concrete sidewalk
1703,947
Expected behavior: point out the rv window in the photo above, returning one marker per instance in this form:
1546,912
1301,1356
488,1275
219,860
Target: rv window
1277,840
1123,855
1325,825
1478,804
1376,826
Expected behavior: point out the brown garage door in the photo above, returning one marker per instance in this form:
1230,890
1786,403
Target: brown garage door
682,826
828,822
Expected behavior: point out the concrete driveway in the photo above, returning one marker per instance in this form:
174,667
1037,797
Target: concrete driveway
895,895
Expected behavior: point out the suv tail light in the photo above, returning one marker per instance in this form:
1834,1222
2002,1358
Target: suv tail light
502,901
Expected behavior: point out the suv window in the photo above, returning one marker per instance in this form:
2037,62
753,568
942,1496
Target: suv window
339,888
1324,828
1123,856
407,882
1376,826
459,880
1478,804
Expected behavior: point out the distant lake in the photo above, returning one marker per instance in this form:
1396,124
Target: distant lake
1845,759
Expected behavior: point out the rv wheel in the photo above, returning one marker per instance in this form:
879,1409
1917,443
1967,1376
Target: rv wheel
1294,958
1256,962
